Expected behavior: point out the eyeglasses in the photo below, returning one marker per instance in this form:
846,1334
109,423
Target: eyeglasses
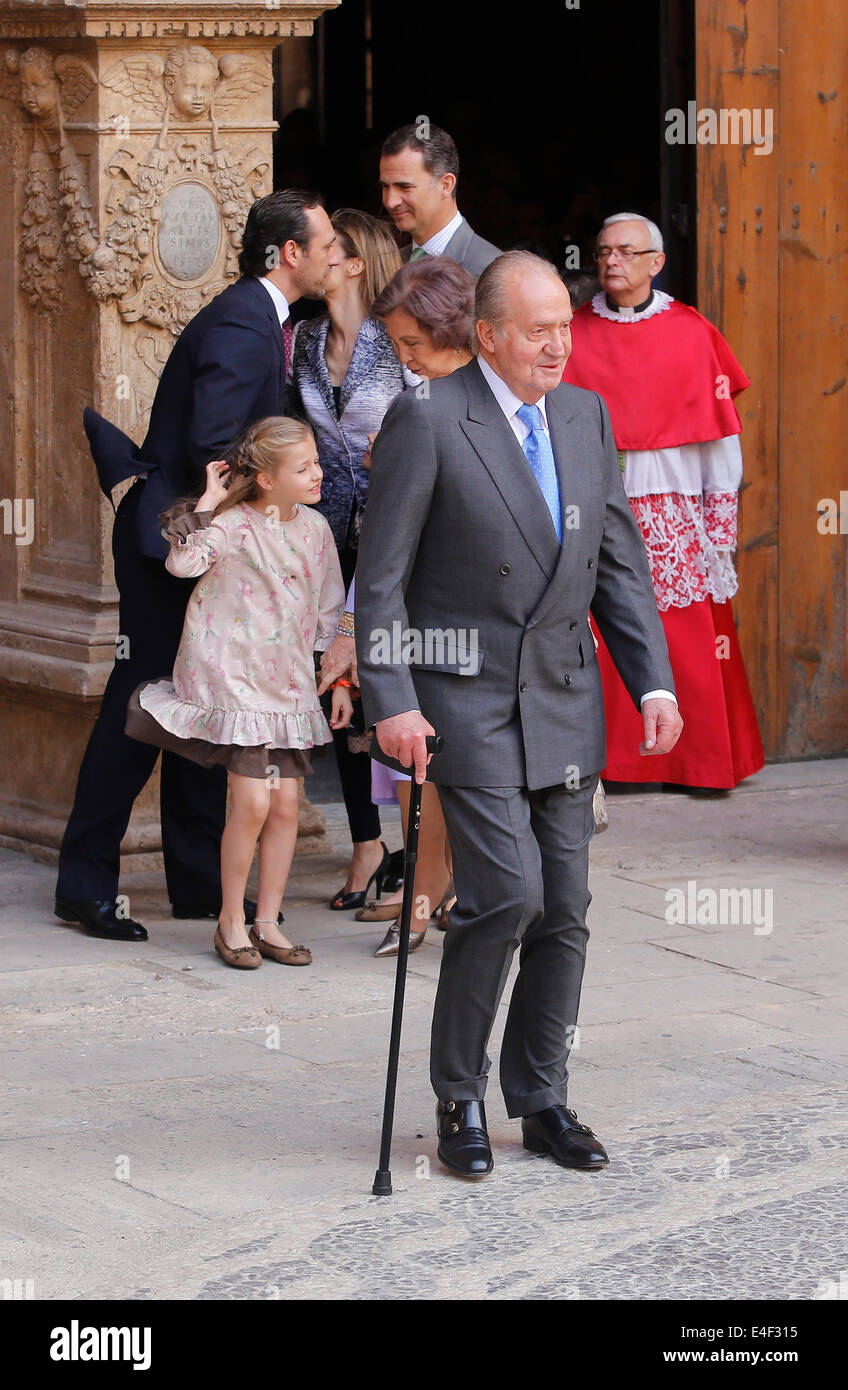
624,253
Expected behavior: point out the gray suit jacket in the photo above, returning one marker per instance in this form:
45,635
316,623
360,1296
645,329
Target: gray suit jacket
468,249
468,608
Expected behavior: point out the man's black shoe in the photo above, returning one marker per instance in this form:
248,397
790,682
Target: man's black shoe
196,912
463,1142
558,1132
100,918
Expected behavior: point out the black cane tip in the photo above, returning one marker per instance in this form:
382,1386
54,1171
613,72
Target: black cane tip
382,1183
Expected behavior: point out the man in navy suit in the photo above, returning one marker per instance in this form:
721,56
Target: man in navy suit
228,368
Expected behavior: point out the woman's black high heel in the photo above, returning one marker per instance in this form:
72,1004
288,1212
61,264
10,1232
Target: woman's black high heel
394,872
345,902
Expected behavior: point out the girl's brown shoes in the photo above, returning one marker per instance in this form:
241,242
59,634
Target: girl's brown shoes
285,955
241,957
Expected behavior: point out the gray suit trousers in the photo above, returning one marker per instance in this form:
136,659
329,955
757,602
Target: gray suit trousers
521,864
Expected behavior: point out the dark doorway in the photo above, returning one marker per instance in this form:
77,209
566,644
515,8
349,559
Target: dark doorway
559,122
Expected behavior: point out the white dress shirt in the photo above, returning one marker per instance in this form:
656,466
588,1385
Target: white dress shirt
281,304
436,244
509,404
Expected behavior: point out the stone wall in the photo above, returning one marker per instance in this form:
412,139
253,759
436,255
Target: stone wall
134,139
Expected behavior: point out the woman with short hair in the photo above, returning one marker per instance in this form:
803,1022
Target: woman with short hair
428,311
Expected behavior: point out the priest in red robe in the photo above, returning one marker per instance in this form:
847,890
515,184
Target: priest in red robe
669,379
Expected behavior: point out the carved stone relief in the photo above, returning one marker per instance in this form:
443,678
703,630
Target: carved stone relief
174,209
57,219
176,203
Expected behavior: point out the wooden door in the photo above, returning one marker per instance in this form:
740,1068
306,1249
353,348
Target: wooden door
771,229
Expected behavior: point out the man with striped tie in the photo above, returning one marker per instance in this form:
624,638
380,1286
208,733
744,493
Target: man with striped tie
227,369
497,517
419,167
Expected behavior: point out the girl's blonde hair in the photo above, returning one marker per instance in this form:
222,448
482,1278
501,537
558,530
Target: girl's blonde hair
365,236
258,450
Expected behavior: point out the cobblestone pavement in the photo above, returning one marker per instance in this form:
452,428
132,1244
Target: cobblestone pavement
173,1129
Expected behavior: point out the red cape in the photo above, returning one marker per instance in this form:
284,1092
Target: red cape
659,377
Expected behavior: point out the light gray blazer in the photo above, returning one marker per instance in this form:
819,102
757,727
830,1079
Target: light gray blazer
468,249
457,536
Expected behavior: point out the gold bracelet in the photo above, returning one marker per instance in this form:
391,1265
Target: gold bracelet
346,627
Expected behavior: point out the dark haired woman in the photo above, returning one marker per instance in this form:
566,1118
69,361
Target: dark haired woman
345,376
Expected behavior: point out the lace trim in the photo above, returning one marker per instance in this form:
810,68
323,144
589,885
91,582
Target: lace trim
686,565
244,728
658,305
720,512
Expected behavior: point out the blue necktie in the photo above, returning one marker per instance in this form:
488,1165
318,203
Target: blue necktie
540,456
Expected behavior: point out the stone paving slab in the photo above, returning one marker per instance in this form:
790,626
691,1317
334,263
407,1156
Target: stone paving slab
172,1129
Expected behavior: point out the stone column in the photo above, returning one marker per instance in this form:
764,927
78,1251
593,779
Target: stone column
135,136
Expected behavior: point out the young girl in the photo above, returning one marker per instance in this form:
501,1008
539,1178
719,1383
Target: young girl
244,692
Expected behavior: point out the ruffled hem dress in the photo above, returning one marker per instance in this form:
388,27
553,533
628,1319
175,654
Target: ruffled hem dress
243,693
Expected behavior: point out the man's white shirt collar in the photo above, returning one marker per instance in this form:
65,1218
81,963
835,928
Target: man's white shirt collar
436,244
281,304
507,399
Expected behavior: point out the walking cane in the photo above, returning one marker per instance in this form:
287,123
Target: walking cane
383,1178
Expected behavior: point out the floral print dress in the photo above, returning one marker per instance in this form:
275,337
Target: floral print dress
269,595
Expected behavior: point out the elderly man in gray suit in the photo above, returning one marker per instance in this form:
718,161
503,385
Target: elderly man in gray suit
496,519
419,167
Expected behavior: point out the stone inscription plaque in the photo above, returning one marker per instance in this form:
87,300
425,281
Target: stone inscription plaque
189,231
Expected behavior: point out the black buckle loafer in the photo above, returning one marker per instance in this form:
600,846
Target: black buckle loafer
99,918
558,1132
463,1141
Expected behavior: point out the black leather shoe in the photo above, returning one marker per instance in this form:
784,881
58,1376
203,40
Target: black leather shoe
99,918
394,872
196,912
346,902
463,1142
558,1132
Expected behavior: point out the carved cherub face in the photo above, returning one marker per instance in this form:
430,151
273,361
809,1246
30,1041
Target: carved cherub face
192,88
39,90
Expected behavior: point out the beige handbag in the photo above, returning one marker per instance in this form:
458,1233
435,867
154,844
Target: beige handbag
599,807
599,801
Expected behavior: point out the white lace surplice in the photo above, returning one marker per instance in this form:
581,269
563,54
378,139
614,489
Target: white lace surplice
685,501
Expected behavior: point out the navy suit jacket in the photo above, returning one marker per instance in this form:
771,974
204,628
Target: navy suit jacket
225,371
